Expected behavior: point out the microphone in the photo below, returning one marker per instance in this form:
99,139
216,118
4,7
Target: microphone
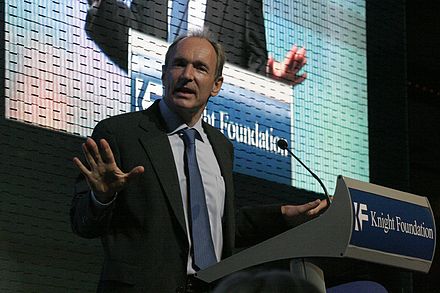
282,144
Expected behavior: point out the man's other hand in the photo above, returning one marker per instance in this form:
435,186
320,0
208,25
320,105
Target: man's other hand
287,71
298,214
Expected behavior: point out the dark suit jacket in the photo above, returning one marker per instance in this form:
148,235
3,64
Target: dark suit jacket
143,233
237,24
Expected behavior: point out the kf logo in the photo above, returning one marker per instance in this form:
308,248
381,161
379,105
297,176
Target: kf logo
359,216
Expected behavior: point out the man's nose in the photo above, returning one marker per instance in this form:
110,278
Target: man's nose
188,72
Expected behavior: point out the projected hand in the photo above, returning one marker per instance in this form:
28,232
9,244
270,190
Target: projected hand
104,176
287,71
298,214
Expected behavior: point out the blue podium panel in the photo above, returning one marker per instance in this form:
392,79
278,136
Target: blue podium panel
387,226
392,225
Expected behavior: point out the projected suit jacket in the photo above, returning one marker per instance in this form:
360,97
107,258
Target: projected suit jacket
237,24
143,234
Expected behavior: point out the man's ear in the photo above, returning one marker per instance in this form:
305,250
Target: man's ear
217,86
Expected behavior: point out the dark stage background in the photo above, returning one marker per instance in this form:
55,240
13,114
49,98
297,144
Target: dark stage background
38,251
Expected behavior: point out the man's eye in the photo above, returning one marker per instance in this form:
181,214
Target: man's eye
179,63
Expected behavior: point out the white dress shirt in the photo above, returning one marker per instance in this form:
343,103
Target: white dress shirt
213,181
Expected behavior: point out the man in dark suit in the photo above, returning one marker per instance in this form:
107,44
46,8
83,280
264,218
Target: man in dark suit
237,24
134,192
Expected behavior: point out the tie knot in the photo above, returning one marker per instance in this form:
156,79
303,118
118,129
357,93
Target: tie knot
189,135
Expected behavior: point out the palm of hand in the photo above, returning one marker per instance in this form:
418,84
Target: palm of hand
104,177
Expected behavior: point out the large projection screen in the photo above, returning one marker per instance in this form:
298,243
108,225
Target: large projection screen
58,77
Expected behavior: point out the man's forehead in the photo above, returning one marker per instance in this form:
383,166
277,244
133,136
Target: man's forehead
193,39
192,45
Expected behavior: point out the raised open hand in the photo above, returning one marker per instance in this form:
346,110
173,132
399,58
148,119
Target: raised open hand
287,71
103,175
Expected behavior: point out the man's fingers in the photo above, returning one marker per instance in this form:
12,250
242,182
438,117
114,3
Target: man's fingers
301,52
302,61
295,54
291,54
312,206
322,204
287,71
83,169
298,214
135,172
304,209
299,79
92,148
297,63
89,158
106,152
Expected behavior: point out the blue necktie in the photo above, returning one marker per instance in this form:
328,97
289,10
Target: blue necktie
204,255
179,19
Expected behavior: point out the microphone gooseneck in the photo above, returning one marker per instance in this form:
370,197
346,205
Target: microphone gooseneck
282,144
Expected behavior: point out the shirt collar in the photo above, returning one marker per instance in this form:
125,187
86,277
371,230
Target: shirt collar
174,123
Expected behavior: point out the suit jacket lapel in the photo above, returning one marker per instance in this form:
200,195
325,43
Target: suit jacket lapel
156,144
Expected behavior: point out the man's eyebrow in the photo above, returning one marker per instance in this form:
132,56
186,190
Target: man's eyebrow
201,63
179,59
196,63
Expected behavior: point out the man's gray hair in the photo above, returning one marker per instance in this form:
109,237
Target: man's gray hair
206,35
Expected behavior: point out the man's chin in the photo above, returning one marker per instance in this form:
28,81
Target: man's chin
183,108
184,95
184,103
